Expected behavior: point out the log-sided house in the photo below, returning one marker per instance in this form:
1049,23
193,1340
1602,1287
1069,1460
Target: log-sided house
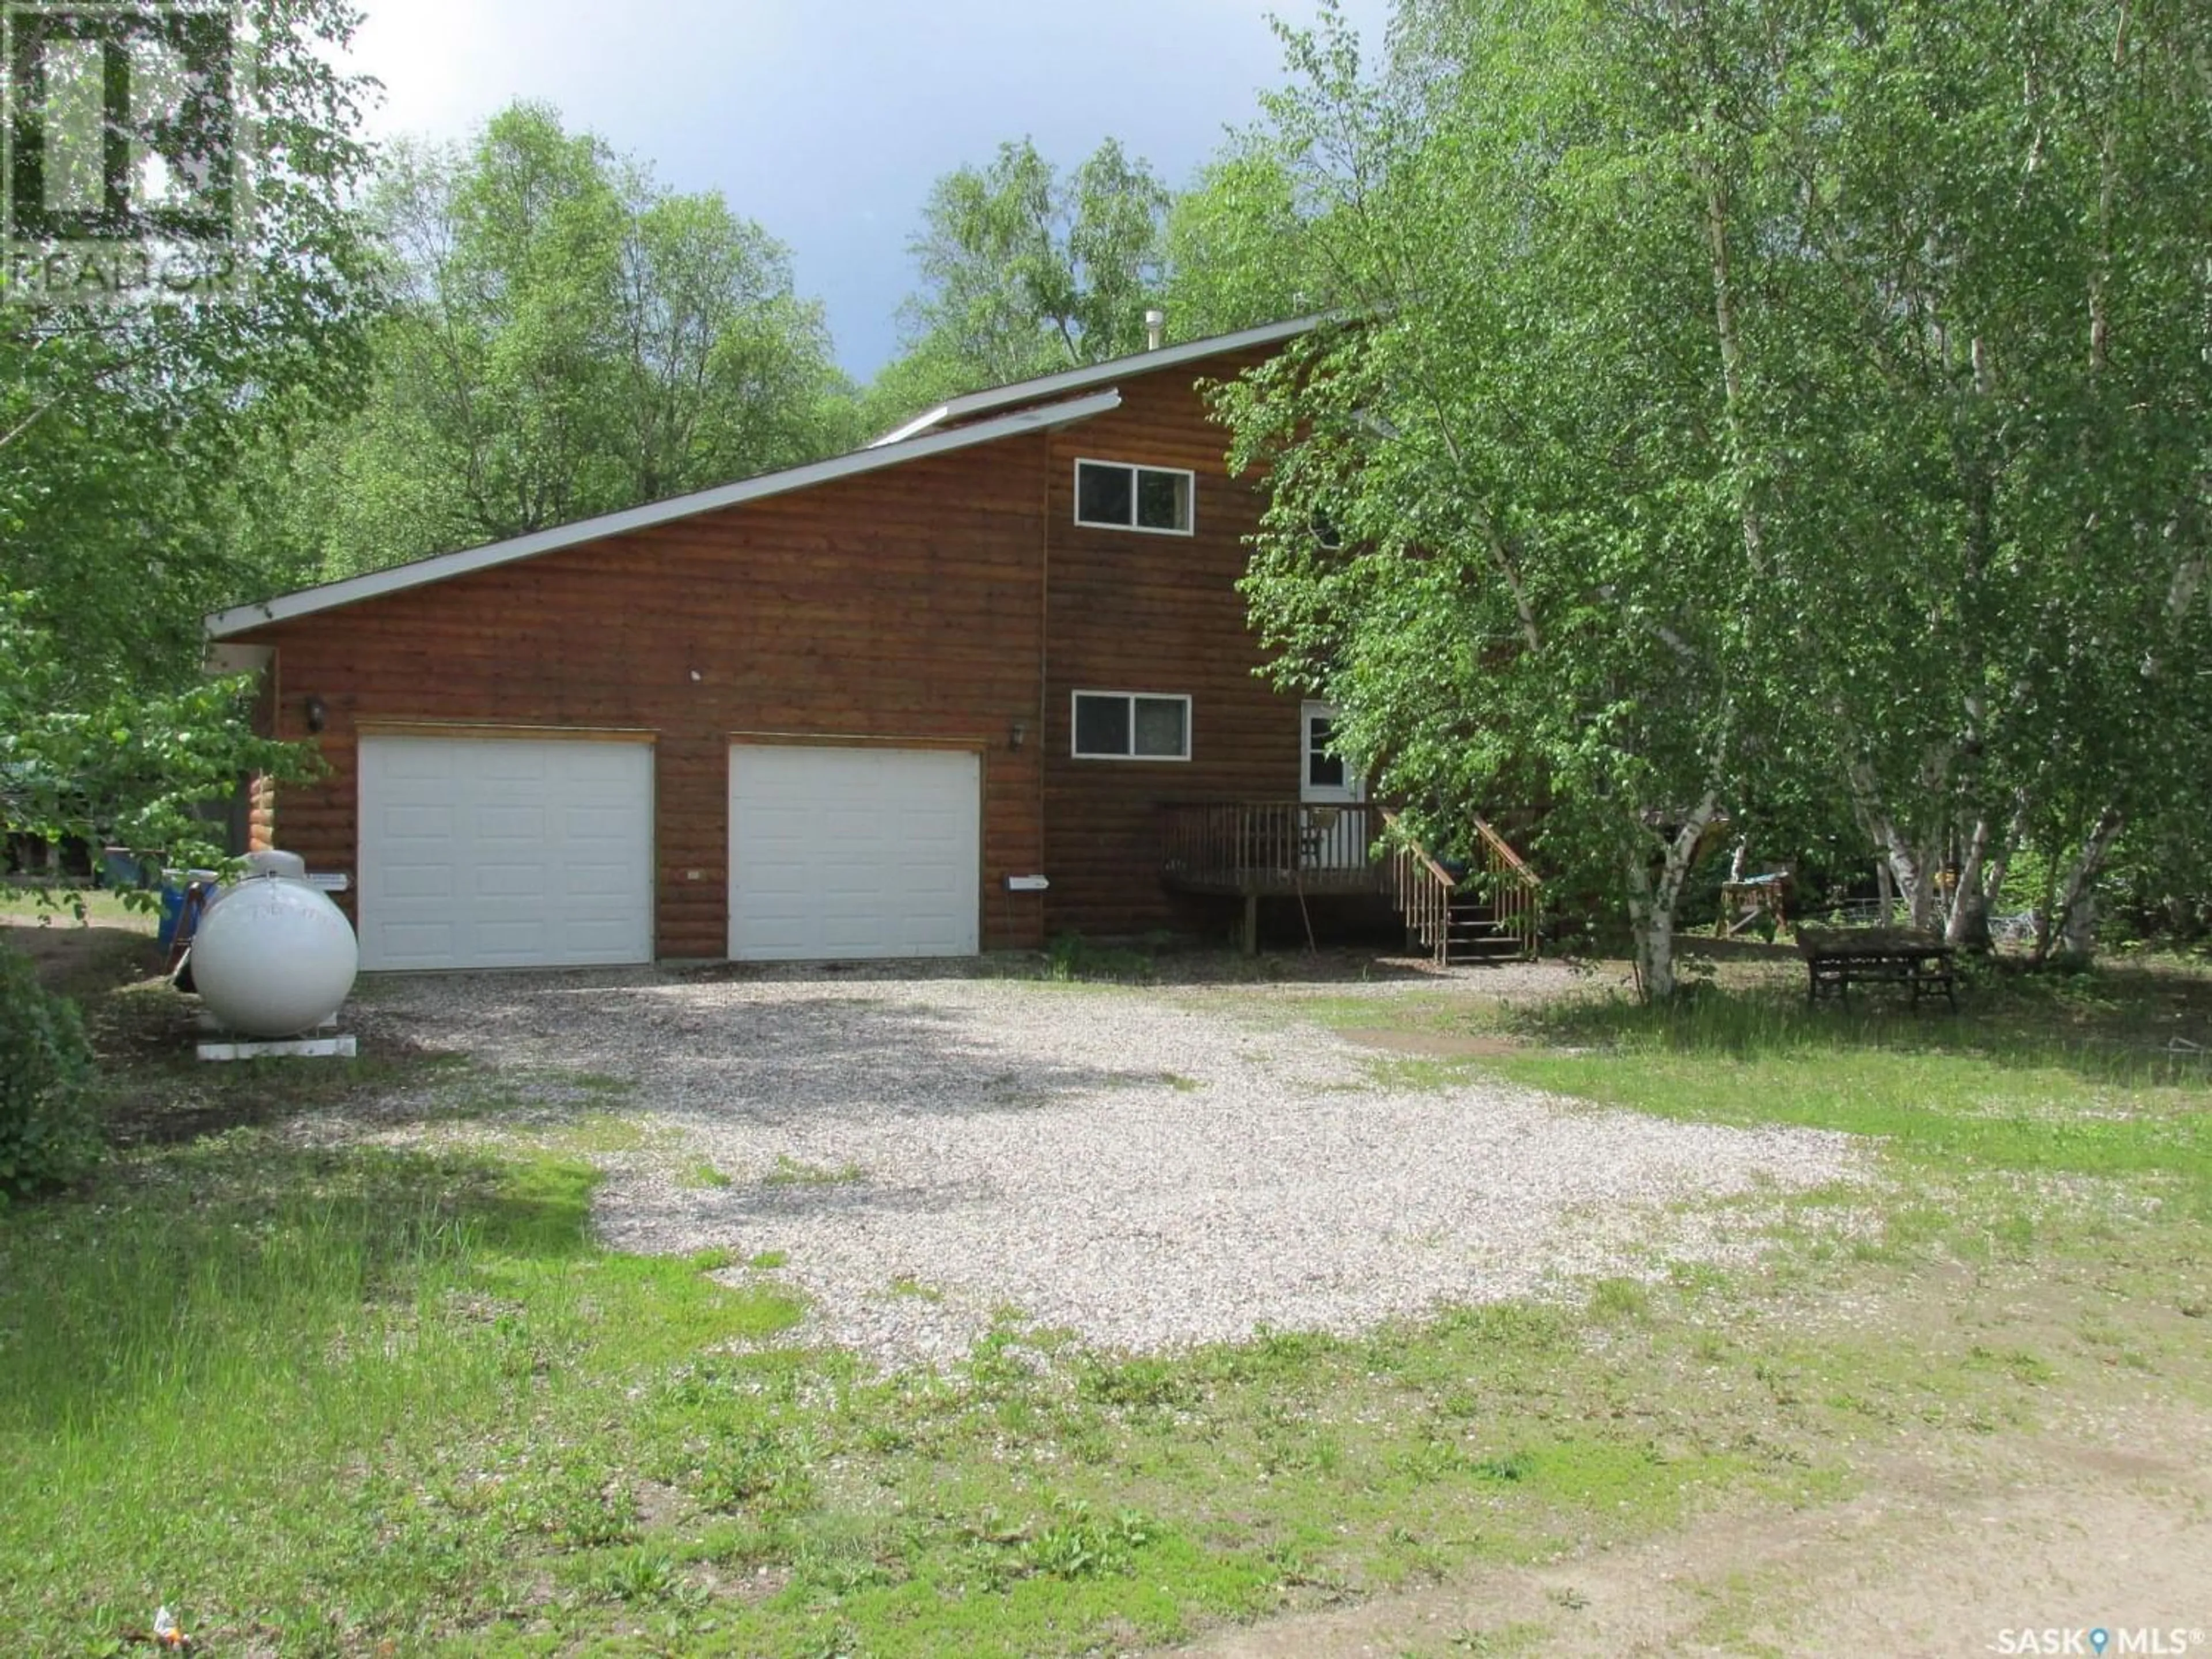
983,682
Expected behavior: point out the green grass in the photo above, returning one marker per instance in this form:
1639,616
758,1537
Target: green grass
322,1394
789,1171
328,1400
2034,1080
58,905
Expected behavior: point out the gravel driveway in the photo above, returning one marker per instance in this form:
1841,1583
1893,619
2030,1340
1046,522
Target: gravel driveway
1148,1168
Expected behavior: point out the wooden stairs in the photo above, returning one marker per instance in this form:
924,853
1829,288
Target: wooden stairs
1472,934
1488,912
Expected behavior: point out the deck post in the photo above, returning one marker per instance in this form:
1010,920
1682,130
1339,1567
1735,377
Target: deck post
1251,932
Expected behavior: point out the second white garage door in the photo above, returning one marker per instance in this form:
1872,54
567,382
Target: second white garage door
853,853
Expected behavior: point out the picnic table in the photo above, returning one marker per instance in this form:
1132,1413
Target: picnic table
1835,959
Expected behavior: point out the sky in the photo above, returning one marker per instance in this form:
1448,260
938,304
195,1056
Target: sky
828,122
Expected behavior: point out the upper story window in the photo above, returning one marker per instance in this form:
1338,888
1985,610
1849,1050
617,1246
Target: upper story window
1131,726
1115,495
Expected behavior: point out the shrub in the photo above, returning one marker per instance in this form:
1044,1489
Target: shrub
47,1134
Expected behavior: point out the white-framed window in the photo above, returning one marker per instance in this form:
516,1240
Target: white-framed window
1131,726
1116,496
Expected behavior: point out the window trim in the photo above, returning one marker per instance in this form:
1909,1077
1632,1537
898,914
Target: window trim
1074,705
1133,468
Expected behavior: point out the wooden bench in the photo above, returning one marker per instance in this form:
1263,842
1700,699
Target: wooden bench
1835,959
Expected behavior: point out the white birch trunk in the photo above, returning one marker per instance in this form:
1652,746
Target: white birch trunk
1969,922
2074,923
1651,904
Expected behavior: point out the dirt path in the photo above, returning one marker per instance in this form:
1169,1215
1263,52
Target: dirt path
2038,1535
2098,1516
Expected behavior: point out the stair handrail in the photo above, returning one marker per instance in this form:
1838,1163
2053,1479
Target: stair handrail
1516,913
1407,844
1499,845
1423,888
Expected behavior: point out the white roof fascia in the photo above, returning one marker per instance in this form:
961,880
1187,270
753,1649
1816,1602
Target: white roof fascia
1121,368
243,618
919,423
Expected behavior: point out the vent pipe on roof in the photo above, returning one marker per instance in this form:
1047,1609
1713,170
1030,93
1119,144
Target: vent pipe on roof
1156,329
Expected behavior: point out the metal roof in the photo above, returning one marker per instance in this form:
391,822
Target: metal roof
1076,380
244,618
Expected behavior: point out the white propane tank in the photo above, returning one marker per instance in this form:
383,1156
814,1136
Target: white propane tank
275,958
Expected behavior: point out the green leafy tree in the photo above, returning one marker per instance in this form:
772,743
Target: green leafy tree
1755,404
1240,252
1982,402
567,339
1025,271
1550,584
122,426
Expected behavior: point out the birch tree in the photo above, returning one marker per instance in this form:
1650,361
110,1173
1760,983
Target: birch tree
1757,399
566,337
2005,428
1026,269
1554,583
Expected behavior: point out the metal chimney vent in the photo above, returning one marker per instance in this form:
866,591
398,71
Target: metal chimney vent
1156,329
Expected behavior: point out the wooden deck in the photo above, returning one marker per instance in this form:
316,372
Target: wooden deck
1281,849
1267,849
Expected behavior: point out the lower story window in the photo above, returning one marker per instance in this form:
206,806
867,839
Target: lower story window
1131,726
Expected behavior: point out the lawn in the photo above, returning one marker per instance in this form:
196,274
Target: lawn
319,1397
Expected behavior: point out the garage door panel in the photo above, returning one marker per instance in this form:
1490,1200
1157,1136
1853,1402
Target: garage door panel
496,882
433,939
504,853
612,823
853,853
421,823
404,882
510,822
516,937
600,880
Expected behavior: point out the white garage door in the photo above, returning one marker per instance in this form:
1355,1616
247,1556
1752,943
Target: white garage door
853,852
498,854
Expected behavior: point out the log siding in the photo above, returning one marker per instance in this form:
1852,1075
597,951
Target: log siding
943,601
1137,611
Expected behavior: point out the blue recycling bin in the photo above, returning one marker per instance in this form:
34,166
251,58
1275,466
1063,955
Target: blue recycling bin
176,885
172,910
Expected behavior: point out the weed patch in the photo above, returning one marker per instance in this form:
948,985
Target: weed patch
790,1171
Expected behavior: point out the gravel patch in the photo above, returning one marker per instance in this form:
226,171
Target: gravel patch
1146,1167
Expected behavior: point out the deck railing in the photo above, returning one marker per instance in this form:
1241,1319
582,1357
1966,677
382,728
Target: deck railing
1271,845
1262,848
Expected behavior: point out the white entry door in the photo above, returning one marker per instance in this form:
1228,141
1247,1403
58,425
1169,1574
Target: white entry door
853,852
505,854
1334,840
1326,781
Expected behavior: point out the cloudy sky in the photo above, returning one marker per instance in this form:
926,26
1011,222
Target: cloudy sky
828,121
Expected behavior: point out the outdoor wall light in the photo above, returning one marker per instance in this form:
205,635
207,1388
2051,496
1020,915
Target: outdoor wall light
1019,736
318,714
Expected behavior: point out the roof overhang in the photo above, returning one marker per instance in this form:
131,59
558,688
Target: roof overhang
242,619
1120,368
